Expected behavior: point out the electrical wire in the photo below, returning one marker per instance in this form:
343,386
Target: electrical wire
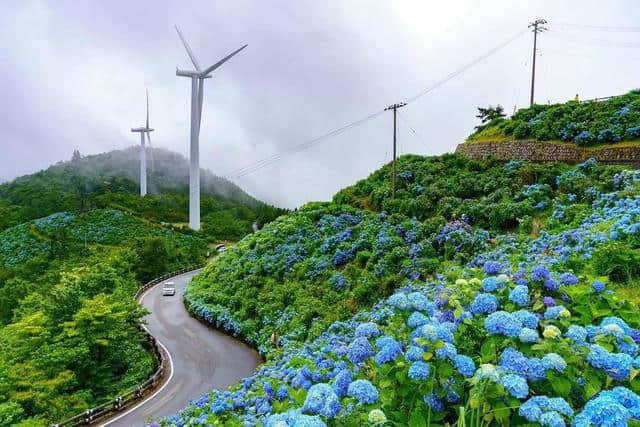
240,172
412,129
260,164
593,42
604,28
465,67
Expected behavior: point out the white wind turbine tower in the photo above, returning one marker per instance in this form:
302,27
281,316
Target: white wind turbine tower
197,84
143,152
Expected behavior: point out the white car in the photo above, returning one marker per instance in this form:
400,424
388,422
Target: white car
169,288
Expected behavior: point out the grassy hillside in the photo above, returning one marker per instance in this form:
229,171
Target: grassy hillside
542,304
585,124
69,336
110,180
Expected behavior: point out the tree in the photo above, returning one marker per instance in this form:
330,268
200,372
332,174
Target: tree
76,156
486,114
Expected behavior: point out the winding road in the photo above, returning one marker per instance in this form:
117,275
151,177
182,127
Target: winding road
202,359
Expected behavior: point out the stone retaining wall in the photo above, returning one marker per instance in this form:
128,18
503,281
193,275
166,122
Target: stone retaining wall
537,151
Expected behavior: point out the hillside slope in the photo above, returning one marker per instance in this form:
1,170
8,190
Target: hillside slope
536,302
583,123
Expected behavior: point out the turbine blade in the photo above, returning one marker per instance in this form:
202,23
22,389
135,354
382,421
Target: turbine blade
222,61
147,90
188,49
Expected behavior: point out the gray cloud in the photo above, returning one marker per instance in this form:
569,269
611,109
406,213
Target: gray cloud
73,76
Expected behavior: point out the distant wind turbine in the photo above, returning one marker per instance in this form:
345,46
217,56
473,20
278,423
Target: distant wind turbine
197,84
143,151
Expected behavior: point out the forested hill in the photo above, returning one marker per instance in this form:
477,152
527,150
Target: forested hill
167,172
110,180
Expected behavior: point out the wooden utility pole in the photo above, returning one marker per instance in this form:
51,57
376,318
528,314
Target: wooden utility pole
537,26
394,107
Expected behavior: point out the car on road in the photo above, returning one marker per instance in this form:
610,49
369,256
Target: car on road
169,288
221,248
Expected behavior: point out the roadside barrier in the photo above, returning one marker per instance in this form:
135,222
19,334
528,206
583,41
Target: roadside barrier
90,416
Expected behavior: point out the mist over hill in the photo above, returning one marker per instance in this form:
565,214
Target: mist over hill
111,180
167,172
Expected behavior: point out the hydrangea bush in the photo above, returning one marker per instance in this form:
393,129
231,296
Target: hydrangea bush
523,333
586,123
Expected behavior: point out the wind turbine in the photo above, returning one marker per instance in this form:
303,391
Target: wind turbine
197,85
143,152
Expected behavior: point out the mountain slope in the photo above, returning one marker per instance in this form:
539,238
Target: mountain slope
545,304
110,180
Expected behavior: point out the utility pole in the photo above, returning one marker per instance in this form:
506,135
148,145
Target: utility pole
537,26
394,107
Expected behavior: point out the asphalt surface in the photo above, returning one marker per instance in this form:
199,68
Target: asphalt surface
203,359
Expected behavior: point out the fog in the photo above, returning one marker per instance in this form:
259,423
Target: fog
74,74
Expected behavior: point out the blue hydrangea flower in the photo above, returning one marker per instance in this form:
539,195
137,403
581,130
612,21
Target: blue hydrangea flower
528,336
282,393
293,417
447,351
502,323
492,284
367,330
420,302
484,303
539,273
417,319
399,300
390,349
551,419
556,312
551,284
515,385
341,382
464,364
528,319
419,371
363,391
492,267
577,333
359,350
321,399
568,279
434,402
554,361
598,286
519,295
414,354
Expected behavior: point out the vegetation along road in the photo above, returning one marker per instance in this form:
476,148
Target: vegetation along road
202,359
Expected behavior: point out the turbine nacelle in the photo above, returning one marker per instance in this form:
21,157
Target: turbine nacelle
192,74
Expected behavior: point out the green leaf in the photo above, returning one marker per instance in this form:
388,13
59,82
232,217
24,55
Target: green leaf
417,420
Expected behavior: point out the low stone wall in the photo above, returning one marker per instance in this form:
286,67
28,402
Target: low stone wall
537,151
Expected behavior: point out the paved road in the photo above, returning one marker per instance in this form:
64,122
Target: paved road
202,358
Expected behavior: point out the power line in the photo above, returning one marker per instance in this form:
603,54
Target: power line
582,27
464,68
255,166
240,172
413,131
593,42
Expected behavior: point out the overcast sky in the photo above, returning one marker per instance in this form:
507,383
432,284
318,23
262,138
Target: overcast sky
73,75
